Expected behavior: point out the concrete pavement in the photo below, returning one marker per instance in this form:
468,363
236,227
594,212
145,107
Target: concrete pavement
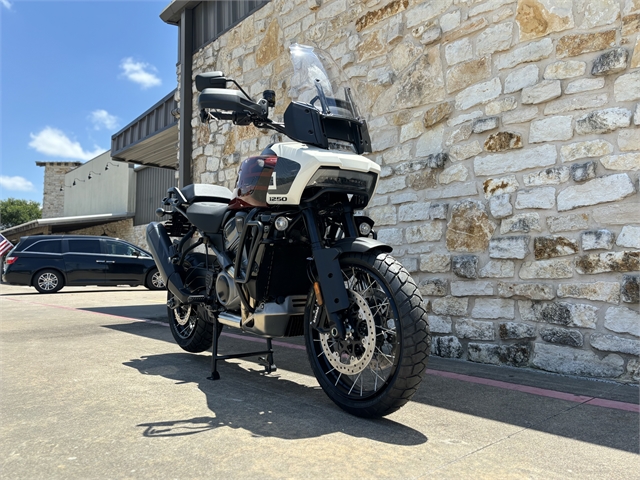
94,387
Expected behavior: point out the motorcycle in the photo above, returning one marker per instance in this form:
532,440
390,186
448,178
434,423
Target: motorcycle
285,253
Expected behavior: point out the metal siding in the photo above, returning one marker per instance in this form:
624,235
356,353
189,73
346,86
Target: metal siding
151,187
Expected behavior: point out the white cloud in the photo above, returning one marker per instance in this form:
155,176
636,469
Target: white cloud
15,183
103,119
140,73
53,142
6,4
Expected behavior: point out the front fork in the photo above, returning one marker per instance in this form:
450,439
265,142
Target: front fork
327,261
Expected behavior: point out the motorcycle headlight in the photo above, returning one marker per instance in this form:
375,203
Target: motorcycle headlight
349,181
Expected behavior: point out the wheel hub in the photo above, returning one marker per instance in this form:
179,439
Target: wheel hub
352,354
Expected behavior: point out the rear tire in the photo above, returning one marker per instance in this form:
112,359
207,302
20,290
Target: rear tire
191,331
378,368
48,281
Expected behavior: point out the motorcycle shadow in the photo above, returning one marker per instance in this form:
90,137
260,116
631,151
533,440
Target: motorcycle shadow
265,405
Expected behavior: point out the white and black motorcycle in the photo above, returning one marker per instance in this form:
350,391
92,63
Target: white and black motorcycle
285,254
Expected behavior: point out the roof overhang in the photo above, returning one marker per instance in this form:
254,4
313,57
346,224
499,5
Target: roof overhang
46,226
171,14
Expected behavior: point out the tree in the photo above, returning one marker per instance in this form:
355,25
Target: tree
14,212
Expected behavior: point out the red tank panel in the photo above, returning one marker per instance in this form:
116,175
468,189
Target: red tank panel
253,182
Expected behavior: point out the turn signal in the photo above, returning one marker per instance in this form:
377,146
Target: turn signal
316,289
10,260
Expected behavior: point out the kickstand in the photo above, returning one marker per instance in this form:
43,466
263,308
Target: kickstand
267,360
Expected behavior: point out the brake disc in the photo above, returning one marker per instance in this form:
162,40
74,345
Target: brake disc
182,315
353,363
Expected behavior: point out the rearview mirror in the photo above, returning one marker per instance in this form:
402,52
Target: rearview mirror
210,80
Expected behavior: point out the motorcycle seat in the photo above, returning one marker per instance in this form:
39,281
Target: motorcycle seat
207,216
203,192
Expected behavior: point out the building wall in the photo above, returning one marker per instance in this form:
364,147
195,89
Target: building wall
507,132
108,191
54,177
123,229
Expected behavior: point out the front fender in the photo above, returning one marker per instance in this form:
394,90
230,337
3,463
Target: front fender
361,245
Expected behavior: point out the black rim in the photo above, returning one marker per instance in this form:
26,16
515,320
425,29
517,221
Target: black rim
360,368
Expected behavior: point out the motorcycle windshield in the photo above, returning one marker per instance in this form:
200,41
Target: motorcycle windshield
320,83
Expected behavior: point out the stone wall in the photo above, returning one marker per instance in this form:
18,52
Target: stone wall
53,198
507,132
123,229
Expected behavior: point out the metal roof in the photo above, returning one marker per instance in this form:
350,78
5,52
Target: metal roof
152,138
45,226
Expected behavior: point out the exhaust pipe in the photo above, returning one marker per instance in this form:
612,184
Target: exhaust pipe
162,250
230,320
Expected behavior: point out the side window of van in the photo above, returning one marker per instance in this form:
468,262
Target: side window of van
46,246
119,248
84,246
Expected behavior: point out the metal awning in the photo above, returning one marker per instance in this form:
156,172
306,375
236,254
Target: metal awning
47,226
152,138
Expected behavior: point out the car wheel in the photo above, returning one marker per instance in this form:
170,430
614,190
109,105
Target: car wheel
48,281
154,280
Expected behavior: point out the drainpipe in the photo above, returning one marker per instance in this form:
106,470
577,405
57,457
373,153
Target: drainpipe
186,97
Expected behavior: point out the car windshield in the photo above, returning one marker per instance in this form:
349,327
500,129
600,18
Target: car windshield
319,82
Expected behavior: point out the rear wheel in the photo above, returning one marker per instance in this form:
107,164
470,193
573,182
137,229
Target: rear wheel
189,327
48,281
379,364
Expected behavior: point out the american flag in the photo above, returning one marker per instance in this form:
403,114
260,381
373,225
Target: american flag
5,245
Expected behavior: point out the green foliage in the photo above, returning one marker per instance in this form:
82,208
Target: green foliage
14,212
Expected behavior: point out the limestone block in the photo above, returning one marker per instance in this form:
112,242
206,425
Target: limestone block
625,161
600,12
500,206
635,58
439,324
488,6
562,336
540,198
521,78
435,262
603,121
498,269
548,176
430,143
568,361
447,347
609,188
426,232
584,85
529,52
524,222
577,44
629,237
541,92
516,330
551,129
495,39
562,313
398,198
500,163
457,189
438,211
467,73
388,185
516,355
433,287
591,148
553,268
564,70
460,134
611,343
409,131
610,62
384,215
449,305
593,263
467,328
597,291
454,173
509,247
503,105
553,246
478,94
465,266
533,291
617,214
458,51
469,229
538,18
597,240
463,118
449,21
576,102
391,236
520,115
629,290
424,12
493,308
500,186
629,140
501,141
484,124
581,172
437,113
471,289
622,320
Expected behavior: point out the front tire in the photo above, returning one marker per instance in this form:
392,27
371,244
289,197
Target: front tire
378,367
48,281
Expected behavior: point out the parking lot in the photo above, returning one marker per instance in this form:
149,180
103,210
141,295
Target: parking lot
93,386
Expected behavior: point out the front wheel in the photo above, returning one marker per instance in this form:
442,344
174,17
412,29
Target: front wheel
379,364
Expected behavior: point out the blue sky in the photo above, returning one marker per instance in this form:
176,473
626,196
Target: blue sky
72,73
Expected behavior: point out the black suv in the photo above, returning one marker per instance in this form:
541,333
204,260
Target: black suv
49,262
